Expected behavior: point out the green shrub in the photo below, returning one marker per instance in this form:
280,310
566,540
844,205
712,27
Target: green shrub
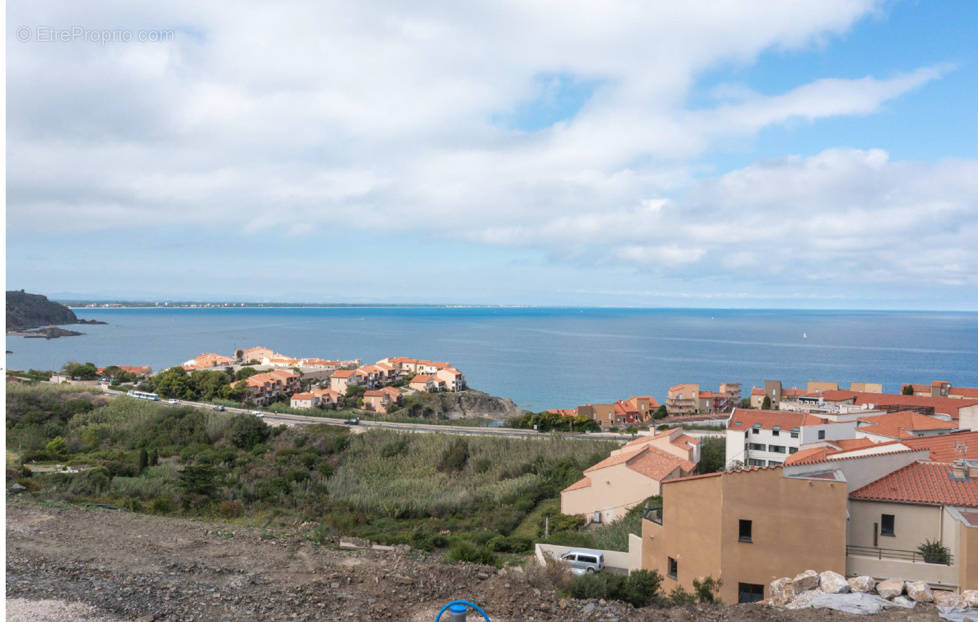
465,551
455,456
680,597
706,590
639,588
934,552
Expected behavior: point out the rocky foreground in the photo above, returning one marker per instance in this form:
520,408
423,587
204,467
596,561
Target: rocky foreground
73,563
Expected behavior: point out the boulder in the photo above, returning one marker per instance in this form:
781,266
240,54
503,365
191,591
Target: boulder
804,600
861,584
807,580
919,591
891,588
832,582
903,601
944,598
782,592
970,598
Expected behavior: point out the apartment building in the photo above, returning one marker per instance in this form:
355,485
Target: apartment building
269,386
208,360
683,399
381,400
882,428
254,355
761,525
768,437
426,383
342,379
453,378
304,400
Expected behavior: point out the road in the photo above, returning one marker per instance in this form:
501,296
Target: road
290,419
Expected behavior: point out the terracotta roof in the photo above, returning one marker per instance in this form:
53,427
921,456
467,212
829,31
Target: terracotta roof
823,452
793,392
942,447
648,461
744,419
374,393
921,482
343,373
681,387
581,483
943,405
964,392
707,394
303,396
758,391
423,378
903,424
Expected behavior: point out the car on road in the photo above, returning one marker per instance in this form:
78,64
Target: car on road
584,561
258,413
219,409
173,401
352,421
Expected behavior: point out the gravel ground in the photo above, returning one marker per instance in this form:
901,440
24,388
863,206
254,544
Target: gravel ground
73,563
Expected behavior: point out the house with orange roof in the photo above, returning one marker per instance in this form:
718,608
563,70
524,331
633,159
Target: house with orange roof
136,370
673,441
746,528
426,383
343,379
963,393
621,481
926,501
208,360
381,400
268,386
902,425
453,378
768,437
683,399
328,397
253,355
304,400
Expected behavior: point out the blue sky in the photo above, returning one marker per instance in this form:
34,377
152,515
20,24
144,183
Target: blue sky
820,155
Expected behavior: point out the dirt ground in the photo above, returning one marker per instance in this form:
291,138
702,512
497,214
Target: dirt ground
73,563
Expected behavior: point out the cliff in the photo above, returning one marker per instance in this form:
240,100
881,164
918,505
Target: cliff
26,311
468,403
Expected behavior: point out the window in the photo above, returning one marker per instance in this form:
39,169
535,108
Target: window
755,462
755,431
774,462
778,449
821,435
749,592
887,524
673,569
794,432
757,446
792,450
776,431
745,531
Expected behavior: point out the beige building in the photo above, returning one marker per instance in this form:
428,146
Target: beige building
426,383
747,528
683,399
815,386
342,379
629,476
866,387
453,378
304,400
381,400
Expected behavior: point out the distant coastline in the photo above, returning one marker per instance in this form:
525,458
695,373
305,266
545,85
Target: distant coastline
274,305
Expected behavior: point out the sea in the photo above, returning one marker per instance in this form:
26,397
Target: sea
550,357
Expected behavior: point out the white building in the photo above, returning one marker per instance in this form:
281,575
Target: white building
767,437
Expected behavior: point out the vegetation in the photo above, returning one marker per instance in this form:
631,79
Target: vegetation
639,588
934,552
766,404
471,498
82,371
907,389
547,422
713,452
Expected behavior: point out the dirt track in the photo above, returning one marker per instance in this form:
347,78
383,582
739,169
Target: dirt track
113,565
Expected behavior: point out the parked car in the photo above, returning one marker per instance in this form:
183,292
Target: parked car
353,421
219,408
173,401
583,561
258,413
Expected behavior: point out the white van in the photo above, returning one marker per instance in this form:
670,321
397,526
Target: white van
584,560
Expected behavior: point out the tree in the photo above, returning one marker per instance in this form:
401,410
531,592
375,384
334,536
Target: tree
83,371
174,382
745,403
455,456
713,452
661,412
57,447
244,373
907,389
143,459
246,431
766,404
198,480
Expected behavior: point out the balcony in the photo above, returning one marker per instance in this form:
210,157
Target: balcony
880,562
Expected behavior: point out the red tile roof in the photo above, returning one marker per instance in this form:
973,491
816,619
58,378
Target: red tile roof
821,454
964,392
744,419
942,447
303,396
944,405
648,461
903,424
758,392
343,373
927,483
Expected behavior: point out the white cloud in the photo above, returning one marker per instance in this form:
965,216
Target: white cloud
299,117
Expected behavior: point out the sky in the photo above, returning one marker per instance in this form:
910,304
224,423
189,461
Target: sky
811,154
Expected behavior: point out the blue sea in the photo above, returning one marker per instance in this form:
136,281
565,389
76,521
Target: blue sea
548,357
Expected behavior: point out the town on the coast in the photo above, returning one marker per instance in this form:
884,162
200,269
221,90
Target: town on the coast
821,489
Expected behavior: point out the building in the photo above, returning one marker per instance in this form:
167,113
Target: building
768,437
425,383
304,400
268,386
761,525
629,476
683,399
208,360
342,379
453,378
328,397
953,409
963,393
381,400
253,355
866,387
901,425
815,386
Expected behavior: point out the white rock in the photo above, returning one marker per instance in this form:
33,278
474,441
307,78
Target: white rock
903,601
919,591
832,582
891,588
945,598
803,600
782,592
807,580
861,583
970,598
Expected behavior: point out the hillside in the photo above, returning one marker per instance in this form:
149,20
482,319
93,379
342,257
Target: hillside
461,405
26,311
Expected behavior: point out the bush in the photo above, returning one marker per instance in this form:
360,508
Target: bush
247,431
57,447
934,552
455,456
680,597
639,588
230,509
465,551
707,589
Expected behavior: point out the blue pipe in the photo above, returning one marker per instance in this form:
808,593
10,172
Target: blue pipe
462,604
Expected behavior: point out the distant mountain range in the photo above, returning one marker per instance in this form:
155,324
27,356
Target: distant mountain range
26,311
